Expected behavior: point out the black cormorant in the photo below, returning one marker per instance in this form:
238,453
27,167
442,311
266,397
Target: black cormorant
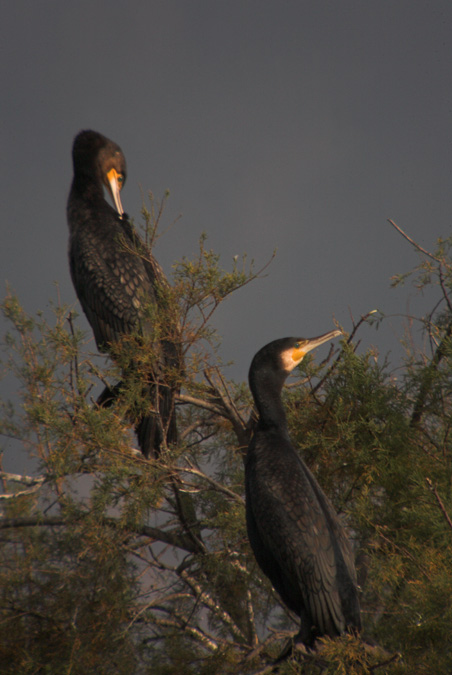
116,278
294,531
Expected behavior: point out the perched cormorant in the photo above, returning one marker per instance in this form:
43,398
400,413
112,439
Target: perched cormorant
293,529
116,279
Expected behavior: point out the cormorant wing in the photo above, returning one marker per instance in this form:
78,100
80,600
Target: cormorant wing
112,281
298,546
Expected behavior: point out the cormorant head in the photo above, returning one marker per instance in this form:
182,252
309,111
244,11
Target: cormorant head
278,358
97,157
293,350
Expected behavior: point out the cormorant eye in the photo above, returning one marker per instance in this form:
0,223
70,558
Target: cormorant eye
120,179
297,345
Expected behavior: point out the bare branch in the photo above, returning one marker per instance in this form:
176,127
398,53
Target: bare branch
20,478
229,407
440,502
35,484
172,538
412,242
195,633
207,600
211,481
201,403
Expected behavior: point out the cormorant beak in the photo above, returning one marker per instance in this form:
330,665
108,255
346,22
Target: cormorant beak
305,346
114,187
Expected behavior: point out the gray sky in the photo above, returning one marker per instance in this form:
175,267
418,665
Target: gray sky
294,125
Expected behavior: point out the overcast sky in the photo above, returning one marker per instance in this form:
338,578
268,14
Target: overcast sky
300,126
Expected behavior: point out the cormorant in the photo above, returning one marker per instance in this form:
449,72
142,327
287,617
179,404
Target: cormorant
293,529
116,278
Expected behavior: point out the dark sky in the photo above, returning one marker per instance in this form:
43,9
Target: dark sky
300,126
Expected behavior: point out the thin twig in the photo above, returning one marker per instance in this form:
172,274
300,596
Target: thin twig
231,412
393,658
412,242
440,502
211,481
334,365
200,403
426,383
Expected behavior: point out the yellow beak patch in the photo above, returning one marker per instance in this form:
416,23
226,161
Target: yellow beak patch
112,175
292,357
115,181
298,354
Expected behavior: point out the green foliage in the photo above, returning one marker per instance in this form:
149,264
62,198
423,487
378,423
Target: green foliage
112,563
64,598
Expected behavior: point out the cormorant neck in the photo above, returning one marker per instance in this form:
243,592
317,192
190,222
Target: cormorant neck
88,187
266,386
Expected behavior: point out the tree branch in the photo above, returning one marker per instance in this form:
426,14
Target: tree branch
35,484
440,502
206,599
200,403
427,377
172,538
19,478
412,242
214,483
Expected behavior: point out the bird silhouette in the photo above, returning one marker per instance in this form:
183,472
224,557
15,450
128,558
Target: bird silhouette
294,531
